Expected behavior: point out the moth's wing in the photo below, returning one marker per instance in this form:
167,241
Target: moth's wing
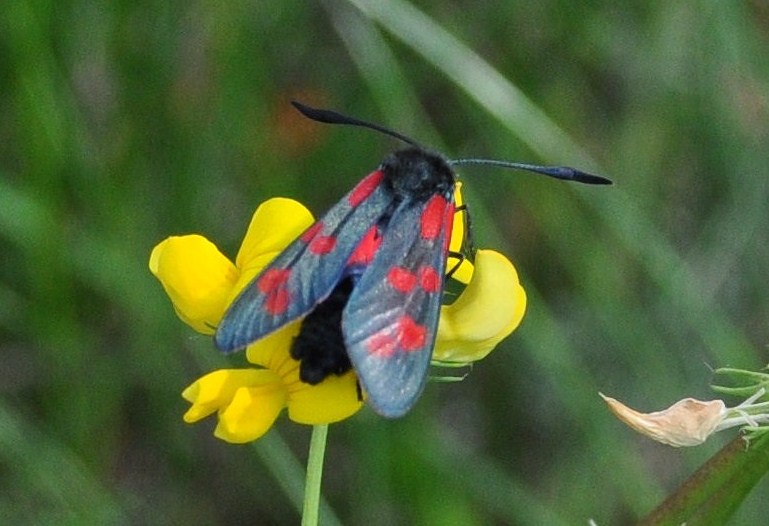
307,270
391,318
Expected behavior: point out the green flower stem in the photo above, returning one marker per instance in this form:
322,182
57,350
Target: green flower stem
314,475
716,490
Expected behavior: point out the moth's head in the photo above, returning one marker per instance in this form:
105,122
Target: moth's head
418,173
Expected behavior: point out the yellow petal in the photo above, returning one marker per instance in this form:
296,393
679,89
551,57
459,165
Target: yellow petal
487,311
197,278
334,399
251,413
272,352
464,272
214,391
274,225
688,422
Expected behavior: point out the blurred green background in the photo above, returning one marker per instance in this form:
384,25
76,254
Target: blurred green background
124,122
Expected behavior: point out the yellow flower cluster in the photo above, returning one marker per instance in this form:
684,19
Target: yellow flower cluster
201,283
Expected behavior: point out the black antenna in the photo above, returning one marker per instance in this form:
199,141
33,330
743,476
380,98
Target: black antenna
332,117
559,172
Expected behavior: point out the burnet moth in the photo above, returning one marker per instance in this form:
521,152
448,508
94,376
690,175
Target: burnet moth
368,276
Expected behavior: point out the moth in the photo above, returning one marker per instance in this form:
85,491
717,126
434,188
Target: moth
367,277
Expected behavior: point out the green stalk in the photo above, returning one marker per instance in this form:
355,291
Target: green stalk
314,475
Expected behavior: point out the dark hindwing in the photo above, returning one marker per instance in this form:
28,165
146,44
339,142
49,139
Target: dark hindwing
391,318
307,271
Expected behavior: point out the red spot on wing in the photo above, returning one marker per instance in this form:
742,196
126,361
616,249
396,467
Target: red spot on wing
277,301
402,279
411,335
382,345
318,244
322,245
273,284
273,279
311,232
429,279
433,217
365,188
406,336
364,253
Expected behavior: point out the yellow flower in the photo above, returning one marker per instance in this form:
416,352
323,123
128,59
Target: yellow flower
248,401
488,310
202,282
